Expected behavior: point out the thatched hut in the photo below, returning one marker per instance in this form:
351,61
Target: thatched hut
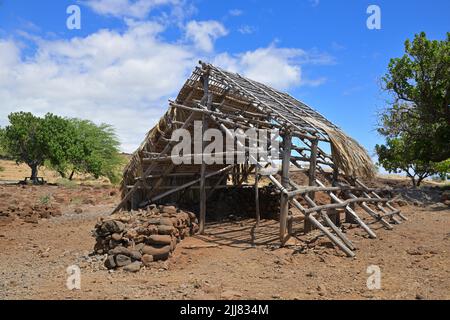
226,101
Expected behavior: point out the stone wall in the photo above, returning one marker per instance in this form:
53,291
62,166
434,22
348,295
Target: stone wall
138,238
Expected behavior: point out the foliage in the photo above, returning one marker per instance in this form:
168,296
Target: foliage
2,143
95,150
45,200
397,156
420,85
92,150
25,140
67,145
417,123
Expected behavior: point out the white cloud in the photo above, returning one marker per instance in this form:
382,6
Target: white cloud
205,33
121,79
125,78
127,8
278,67
235,12
313,82
246,29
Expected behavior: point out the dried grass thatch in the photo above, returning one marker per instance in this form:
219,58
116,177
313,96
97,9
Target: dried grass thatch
348,154
152,143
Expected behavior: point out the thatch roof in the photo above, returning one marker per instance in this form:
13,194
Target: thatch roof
237,96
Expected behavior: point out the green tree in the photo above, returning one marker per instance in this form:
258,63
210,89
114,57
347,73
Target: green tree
2,143
92,149
59,135
66,145
416,123
24,140
419,83
397,156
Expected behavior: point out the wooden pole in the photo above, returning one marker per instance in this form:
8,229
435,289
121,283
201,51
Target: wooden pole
351,212
258,214
330,223
378,197
202,199
284,206
312,180
312,167
202,186
207,100
371,212
184,186
317,224
165,151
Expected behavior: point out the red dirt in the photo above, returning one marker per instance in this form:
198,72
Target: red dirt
414,258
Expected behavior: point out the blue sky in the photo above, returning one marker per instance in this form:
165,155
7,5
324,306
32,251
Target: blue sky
131,56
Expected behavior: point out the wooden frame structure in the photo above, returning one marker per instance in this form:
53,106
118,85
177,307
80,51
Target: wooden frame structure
227,101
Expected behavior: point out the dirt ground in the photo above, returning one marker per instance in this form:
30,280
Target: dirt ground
233,261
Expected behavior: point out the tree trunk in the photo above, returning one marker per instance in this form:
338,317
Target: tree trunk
419,181
34,173
71,175
413,180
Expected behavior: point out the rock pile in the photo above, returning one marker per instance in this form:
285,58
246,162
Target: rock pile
137,238
30,213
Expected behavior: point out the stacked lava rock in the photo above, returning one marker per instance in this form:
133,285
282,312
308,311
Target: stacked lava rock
137,238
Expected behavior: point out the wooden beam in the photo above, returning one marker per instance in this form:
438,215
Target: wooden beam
184,186
373,192
307,227
284,204
343,204
322,228
166,150
206,100
330,223
312,167
257,212
304,190
351,212
372,213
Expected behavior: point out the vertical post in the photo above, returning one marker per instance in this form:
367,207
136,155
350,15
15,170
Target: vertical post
349,218
335,216
312,166
258,214
135,200
284,207
207,100
312,179
335,174
132,203
202,198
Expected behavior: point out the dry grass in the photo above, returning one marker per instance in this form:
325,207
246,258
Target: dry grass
347,153
15,172
18,172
